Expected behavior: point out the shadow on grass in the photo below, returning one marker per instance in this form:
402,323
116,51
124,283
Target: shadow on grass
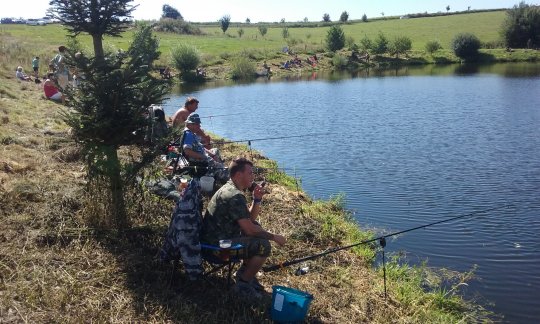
157,289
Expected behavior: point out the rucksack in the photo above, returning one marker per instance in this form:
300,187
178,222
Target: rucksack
182,238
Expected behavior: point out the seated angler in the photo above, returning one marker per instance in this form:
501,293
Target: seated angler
196,153
228,216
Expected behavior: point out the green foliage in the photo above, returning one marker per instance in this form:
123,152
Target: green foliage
344,16
185,57
349,40
225,22
107,112
97,18
433,46
521,27
243,69
326,17
285,32
364,18
339,61
465,45
169,25
380,46
240,32
145,45
170,12
263,30
335,38
401,45
366,44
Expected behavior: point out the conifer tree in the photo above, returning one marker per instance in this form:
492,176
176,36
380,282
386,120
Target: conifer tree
109,107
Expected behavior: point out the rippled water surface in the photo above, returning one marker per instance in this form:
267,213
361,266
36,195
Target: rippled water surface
409,149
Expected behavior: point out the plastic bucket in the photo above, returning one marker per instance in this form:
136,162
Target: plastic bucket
289,305
207,184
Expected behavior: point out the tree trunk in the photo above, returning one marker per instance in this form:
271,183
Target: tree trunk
98,46
113,172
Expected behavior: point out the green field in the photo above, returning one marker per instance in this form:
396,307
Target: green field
485,25
218,49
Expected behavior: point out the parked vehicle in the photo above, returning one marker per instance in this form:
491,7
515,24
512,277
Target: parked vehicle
35,22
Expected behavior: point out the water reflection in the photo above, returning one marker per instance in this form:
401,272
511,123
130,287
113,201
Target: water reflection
522,69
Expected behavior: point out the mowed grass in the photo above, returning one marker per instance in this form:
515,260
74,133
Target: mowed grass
486,26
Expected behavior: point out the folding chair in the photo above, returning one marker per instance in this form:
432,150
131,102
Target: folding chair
213,255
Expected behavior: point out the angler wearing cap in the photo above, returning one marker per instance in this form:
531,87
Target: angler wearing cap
196,153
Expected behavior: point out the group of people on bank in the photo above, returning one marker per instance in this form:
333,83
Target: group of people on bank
229,215
57,77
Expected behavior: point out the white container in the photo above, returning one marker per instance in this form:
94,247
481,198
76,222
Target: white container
207,184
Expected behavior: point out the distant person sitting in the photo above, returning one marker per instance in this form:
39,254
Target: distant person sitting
166,73
21,75
51,91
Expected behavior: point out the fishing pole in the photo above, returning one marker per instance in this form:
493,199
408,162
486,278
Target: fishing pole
224,115
381,239
272,138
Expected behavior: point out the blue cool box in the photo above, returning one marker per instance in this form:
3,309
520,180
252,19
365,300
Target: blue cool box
289,305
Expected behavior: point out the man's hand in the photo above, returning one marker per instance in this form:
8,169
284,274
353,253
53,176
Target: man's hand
279,239
258,192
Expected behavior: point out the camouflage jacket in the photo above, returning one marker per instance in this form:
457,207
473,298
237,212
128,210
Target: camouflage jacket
227,206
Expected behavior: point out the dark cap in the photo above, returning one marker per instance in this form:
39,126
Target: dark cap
193,119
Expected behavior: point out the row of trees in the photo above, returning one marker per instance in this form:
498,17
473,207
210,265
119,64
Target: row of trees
335,40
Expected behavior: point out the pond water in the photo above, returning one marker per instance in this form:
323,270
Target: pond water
409,147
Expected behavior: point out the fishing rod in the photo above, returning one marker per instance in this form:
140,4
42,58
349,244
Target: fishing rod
272,138
224,115
381,239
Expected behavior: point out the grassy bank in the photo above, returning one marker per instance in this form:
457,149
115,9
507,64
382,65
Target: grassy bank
219,50
55,267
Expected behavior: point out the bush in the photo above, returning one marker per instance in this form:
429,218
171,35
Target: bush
350,42
465,45
168,25
225,22
185,58
263,30
433,46
339,61
285,32
335,39
243,69
401,45
521,27
380,45
366,44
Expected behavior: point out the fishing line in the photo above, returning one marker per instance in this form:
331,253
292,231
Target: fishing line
296,261
272,138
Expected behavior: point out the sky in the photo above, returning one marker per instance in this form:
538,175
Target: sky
273,10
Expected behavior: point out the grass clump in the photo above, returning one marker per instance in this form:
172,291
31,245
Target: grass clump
186,58
243,69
